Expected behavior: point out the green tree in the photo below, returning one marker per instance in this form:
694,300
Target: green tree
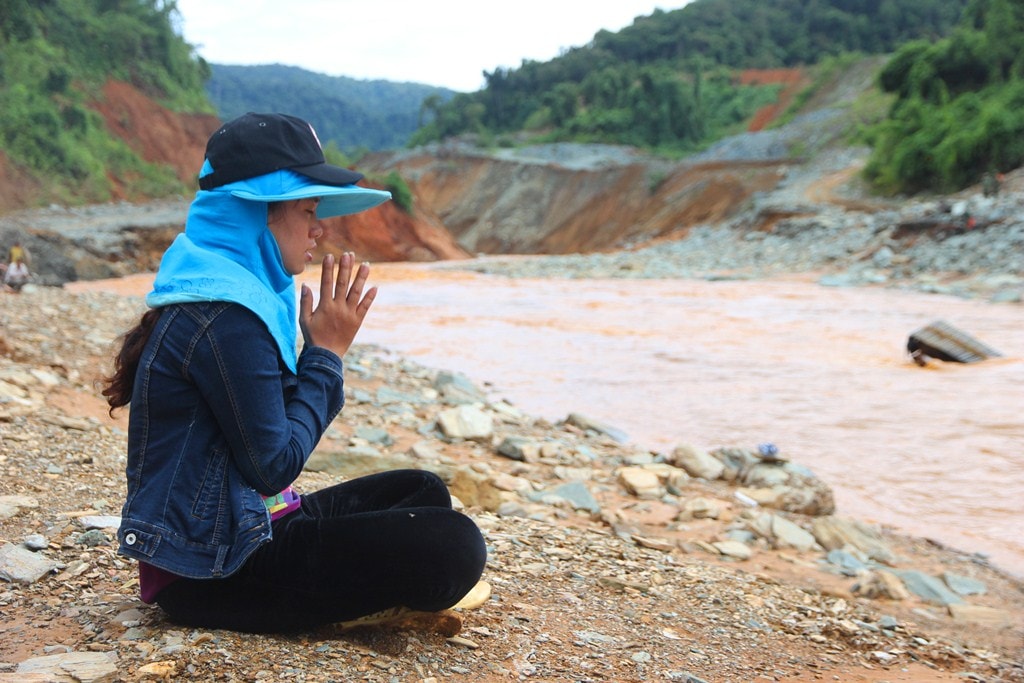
55,56
647,84
957,112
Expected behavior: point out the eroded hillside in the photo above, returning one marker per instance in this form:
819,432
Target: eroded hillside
570,198
533,202
542,199
72,243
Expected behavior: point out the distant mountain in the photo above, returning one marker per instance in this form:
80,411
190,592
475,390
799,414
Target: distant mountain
354,114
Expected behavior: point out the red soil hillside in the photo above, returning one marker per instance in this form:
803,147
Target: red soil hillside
162,136
389,234
792,80
155,133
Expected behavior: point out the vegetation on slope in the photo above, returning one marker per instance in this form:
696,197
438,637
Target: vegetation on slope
666,82
55,56
959,109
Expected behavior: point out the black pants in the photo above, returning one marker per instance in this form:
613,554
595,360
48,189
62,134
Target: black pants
380,541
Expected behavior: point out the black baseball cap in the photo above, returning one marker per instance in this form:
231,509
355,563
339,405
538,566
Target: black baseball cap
256,144
277,157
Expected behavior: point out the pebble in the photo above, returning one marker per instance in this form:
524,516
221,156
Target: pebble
35,542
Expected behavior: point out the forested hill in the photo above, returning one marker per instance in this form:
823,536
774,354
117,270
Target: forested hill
57,59
353,114
774,33
74,75
670,83
666,81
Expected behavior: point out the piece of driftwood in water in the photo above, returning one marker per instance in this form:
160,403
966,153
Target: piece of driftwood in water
943,341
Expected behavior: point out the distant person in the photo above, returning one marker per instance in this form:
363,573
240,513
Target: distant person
224,414
19,253
17,275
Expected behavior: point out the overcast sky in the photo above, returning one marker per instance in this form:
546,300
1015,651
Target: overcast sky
447,43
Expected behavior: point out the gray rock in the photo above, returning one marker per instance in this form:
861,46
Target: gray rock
587,424
466,422
734,549
741,535
361,396
36,542
389,396
1007,296
457,389
424,450
787,533
510,508
100,522
519,448
883,257
374,435
837,532
81,667
18,564
92,538
697,462
794,488
888,623
364,450
927,587
578,495
847,562
683,677
964,585
735,460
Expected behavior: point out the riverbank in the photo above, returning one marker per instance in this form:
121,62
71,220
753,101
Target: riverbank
607,563
821,222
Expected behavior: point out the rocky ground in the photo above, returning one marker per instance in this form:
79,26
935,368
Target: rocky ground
607,563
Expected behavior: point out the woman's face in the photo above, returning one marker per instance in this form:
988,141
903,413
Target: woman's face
295,227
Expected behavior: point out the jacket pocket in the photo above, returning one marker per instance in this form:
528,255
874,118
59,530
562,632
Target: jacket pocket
212,494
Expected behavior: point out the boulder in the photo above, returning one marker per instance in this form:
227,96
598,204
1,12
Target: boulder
837,532
794,488
641,482
697,462
466,422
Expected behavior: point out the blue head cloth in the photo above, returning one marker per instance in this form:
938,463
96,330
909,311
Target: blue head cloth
227,252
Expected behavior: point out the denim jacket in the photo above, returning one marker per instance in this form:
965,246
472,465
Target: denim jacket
217,421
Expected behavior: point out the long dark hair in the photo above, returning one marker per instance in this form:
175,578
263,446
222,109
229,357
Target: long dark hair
118,386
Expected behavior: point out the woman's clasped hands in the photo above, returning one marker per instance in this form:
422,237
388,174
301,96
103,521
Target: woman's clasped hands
339,314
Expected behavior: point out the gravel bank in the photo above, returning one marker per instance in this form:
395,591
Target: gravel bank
965,245
607,563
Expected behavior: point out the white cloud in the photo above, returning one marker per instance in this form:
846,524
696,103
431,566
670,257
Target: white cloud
447,42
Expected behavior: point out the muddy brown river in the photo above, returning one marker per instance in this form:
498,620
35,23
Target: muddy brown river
820,372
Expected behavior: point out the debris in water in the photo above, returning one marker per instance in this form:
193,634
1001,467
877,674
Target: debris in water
943,341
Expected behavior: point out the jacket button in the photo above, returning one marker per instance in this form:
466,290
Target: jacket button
130,539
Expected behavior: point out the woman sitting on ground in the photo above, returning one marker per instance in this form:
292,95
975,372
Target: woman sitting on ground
224,413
